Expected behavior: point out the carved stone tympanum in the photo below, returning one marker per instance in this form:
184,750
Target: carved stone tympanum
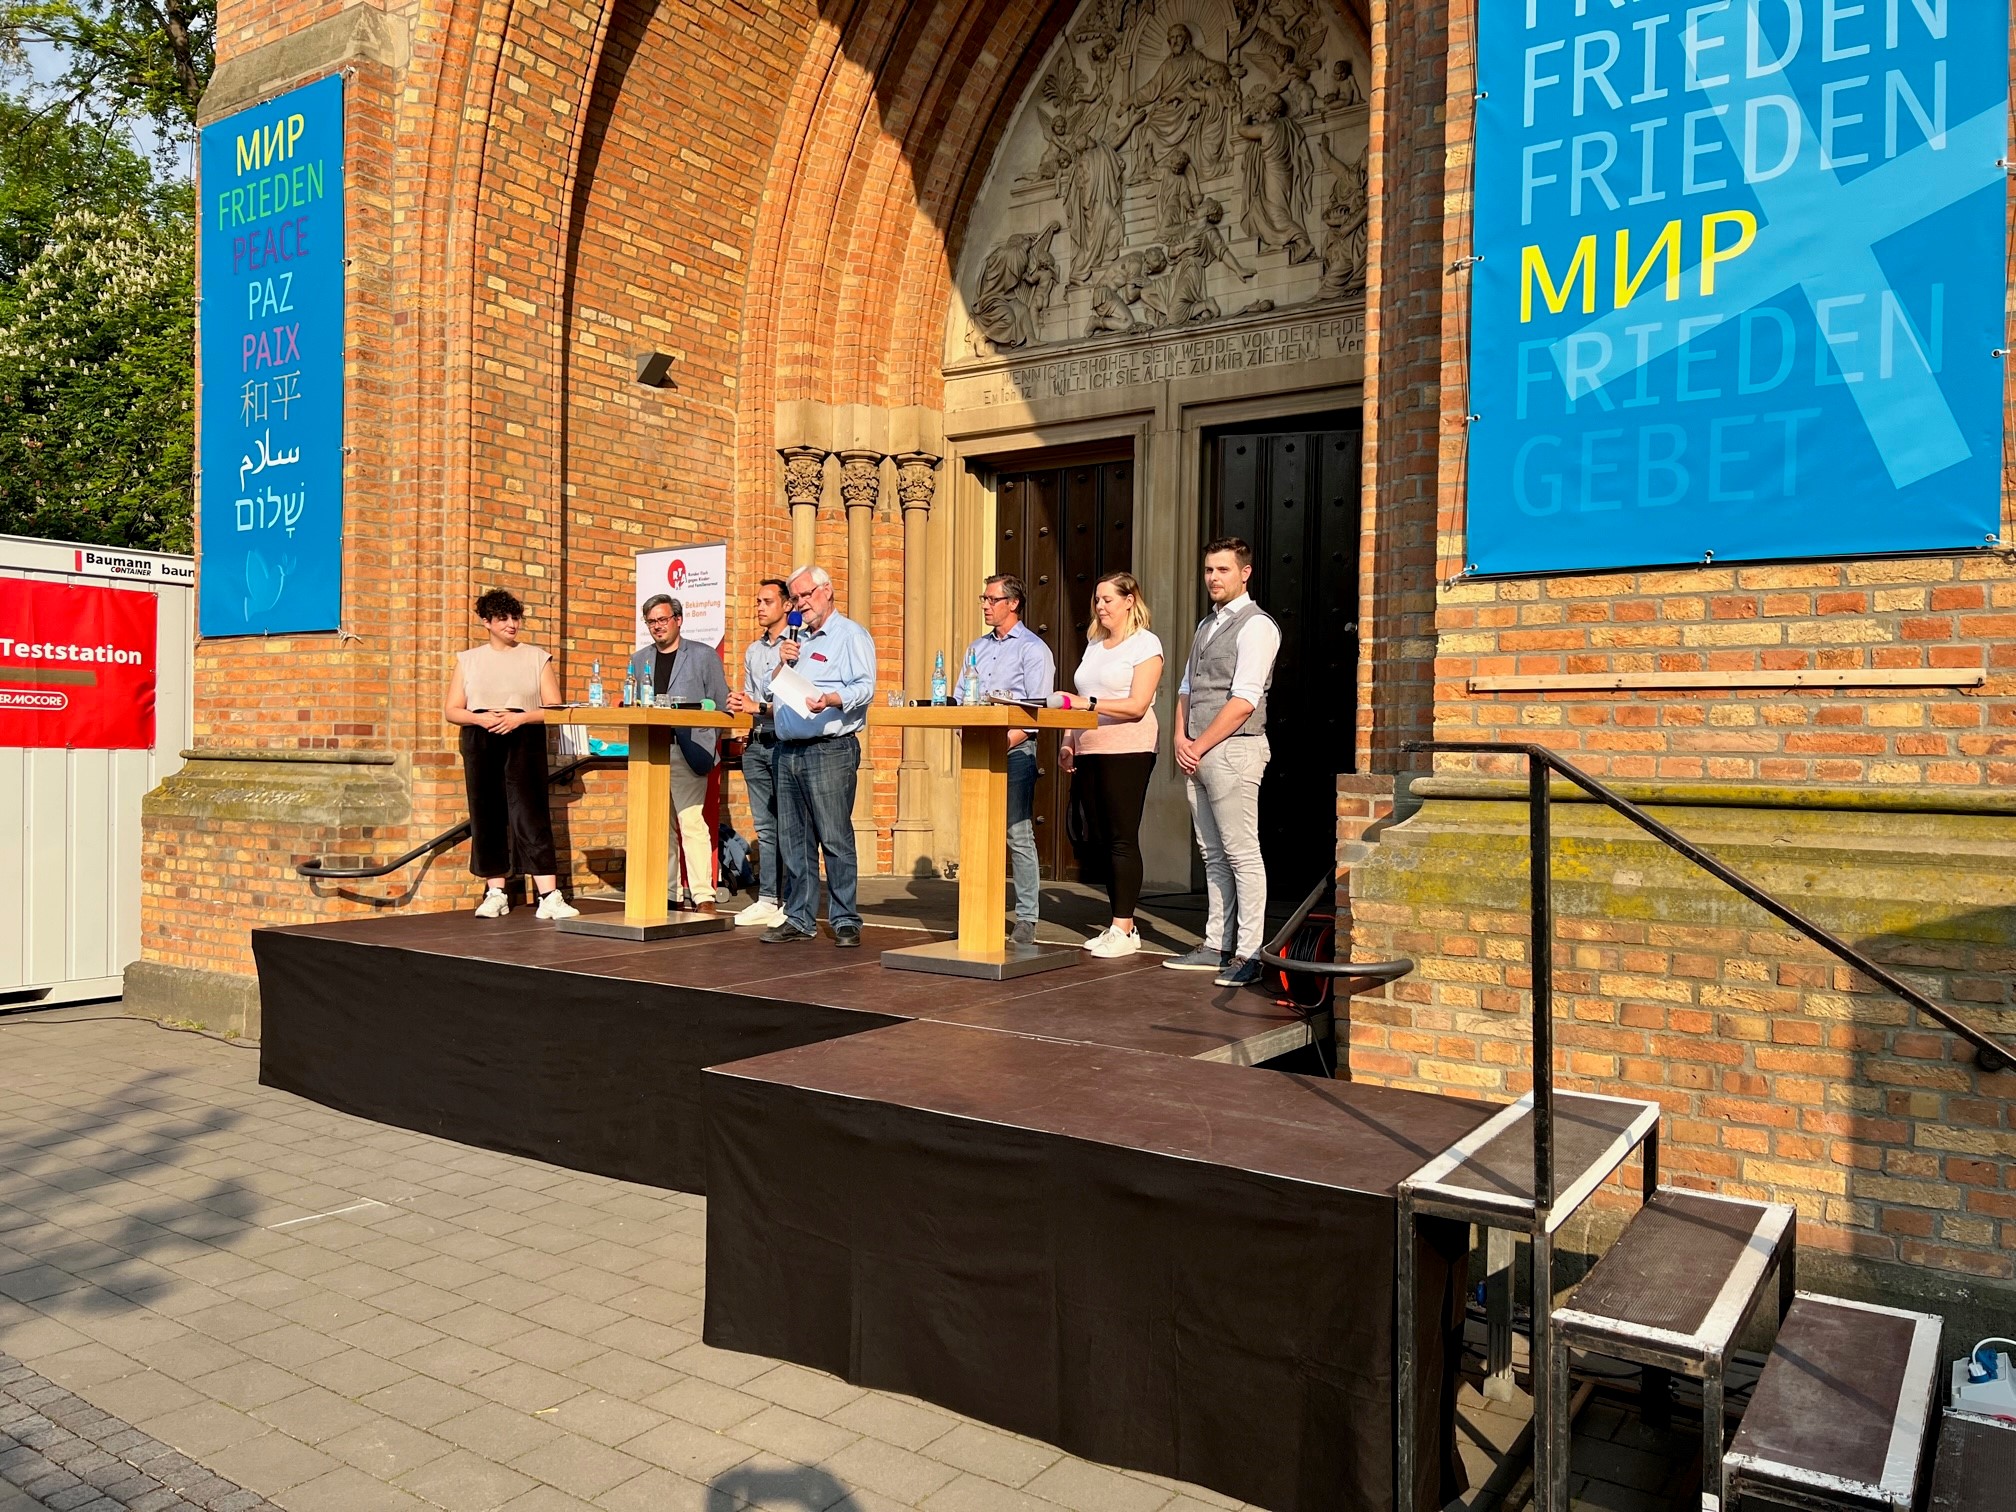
1178,162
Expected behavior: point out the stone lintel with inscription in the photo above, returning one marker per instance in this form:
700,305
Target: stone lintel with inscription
1229,347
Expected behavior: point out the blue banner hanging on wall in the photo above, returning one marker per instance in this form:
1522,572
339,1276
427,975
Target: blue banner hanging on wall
1742,280
271,451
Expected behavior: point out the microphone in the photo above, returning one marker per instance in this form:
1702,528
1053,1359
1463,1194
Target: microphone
794,623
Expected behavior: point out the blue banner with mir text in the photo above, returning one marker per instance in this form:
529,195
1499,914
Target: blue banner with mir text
1742,280
270,551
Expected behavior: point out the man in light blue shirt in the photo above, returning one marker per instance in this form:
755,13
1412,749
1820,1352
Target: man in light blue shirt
1013,659
759,751
818,761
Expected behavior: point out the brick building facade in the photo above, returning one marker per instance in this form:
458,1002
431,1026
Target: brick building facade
802,202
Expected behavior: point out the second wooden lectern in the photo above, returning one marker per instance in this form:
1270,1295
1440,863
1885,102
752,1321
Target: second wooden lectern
981,948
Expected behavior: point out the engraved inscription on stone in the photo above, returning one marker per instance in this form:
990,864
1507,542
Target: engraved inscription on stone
1178,163
1205,355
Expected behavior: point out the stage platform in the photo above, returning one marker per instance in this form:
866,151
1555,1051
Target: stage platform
587,1051
1167,1265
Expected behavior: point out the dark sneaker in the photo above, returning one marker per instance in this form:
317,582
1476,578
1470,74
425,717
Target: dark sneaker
1240,973
786,933
1199,959
847,937
1025,933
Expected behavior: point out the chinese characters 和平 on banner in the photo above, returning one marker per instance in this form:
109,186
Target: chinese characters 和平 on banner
1741,280
272,267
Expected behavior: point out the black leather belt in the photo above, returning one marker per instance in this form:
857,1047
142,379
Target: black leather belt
812,740
763,737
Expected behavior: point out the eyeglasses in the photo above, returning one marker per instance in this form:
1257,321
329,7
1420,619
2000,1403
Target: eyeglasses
663,619
996,598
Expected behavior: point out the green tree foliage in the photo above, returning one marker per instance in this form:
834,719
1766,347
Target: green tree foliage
97,383
122,59
97,252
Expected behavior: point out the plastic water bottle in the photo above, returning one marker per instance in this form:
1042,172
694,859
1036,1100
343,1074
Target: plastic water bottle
595,694
938,681
629,691
969,682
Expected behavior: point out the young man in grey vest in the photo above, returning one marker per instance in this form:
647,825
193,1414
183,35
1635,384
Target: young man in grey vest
1221,745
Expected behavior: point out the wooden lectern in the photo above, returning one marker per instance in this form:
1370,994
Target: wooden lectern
981,948
647,863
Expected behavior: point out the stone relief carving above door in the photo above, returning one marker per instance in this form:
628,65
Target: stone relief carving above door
1178,163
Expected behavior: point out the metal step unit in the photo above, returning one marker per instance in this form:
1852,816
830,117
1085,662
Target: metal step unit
1976,1468
1671,1294
1841,1415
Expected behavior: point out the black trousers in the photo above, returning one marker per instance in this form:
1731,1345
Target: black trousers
1119,792
510,827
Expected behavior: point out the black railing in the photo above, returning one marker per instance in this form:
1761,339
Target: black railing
1540,763
1370,971
453,835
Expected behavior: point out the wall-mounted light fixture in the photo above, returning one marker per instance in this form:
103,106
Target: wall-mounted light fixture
654,369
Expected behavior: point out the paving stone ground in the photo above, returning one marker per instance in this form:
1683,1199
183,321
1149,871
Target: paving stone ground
315,1312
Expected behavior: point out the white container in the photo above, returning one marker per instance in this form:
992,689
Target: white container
70,820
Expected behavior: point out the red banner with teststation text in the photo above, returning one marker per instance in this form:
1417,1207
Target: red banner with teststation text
77,666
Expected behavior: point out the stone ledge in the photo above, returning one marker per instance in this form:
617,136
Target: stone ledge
359,32
221,1001
331,757
313,790
1875,879
1911,800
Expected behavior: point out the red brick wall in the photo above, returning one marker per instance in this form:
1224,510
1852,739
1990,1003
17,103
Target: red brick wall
1784,1075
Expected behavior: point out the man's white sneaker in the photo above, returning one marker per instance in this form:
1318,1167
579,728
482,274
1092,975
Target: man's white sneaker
494,905
1117,942
761,914
555,906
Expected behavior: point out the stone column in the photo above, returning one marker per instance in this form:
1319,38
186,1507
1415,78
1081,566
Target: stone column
804,482
860,488
916,489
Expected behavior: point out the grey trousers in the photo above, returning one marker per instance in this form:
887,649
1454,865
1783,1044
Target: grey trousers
1225,810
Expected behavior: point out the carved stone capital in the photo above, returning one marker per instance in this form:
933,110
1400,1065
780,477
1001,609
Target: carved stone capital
804,474
860,477
916,479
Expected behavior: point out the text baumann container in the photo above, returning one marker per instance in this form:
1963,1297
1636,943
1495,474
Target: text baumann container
70,818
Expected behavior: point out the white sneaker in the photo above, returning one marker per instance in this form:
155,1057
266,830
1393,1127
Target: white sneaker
1117,942
761,914
555,906
494,905
1097,940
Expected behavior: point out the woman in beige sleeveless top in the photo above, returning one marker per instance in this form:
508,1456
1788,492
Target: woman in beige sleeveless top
499,696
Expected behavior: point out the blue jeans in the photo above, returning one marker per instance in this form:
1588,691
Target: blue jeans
759,775
815,811
1022,831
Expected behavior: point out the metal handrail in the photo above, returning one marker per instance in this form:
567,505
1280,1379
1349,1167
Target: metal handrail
1540,761
313,867
1371,971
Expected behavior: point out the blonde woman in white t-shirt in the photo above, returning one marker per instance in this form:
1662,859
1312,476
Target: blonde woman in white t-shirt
1121,668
